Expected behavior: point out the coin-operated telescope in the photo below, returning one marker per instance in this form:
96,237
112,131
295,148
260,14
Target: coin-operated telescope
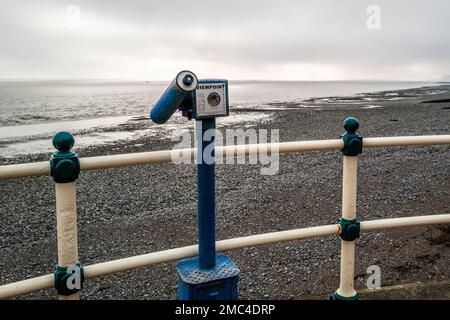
208,276
197,99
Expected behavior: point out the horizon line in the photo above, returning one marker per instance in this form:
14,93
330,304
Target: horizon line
253,80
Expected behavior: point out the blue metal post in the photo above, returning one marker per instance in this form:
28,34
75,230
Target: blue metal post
206,188
210,275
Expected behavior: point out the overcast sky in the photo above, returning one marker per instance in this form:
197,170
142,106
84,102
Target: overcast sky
234,39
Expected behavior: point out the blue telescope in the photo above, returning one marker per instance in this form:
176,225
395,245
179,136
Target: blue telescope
170,101
208,276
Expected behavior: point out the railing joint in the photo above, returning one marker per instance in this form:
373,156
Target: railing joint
349,230
69,279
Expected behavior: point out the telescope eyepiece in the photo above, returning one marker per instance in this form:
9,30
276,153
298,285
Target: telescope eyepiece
188,80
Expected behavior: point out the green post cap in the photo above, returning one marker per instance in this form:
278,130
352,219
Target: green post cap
351,124
64,164
352,141
63,141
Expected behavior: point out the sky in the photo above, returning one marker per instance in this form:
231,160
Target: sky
233,39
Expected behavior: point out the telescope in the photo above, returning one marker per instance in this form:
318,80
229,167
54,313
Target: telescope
196,99
208,276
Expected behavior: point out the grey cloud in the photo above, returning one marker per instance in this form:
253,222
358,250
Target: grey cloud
249,33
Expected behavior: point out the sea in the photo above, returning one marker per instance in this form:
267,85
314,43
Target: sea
95,111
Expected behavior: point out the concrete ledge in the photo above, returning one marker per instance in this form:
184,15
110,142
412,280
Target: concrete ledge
439,290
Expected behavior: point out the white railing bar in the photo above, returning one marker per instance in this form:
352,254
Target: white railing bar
26,286
405,141
33,169
392,223
104,268
130,159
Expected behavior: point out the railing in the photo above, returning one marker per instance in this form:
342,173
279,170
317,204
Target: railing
348,227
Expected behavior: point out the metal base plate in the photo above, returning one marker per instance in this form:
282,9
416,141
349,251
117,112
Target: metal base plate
190,272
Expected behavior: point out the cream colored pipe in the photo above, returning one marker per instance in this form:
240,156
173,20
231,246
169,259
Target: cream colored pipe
103,162
405,222
26,286
66,226
131,159
25,170
46,281
349,186
224,245
99,269
121,160
405,141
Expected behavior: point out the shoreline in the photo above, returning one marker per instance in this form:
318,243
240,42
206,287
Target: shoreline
157,210
125,129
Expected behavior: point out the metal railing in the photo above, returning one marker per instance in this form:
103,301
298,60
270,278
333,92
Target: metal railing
348,227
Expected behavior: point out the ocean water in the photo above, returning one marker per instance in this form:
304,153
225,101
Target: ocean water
30,102
32,111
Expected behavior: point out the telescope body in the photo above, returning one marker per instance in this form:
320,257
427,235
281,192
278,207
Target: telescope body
181,87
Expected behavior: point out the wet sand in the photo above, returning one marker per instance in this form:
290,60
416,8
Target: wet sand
129,211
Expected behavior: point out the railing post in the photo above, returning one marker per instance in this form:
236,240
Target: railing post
65,168
349,225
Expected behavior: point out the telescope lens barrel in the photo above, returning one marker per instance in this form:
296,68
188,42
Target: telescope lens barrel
182,86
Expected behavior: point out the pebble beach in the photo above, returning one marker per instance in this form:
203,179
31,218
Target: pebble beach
135,210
